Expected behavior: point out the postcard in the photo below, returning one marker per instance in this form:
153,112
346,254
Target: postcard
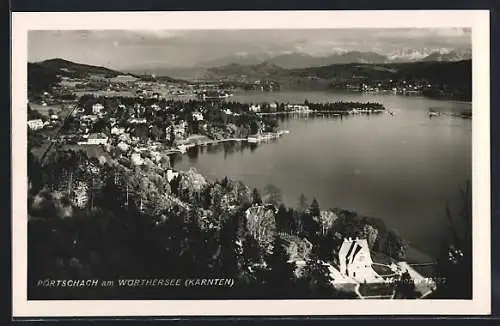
250,163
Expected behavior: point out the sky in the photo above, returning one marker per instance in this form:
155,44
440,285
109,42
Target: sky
125,49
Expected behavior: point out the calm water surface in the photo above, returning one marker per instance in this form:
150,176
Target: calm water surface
402,168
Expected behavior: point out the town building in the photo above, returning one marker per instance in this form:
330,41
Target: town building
97,108
35,124
97,139
179,130
136,159
298,107
89,118
355,261
260,221
171,174
123,146
254,108
137,121
117,130
198,116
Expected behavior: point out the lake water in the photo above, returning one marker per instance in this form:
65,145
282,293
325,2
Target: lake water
403,168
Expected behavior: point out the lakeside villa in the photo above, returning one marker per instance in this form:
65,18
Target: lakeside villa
352,268
370,279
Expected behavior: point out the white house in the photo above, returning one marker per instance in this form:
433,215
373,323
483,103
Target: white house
355,261
254,108
136,159
298,107
117,130
97,139
198,116
171,174
35,124
137,121
123,146
228,112
97,108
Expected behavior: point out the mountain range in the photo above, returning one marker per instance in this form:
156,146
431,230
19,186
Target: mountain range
302,60
297,60
441,72
456,75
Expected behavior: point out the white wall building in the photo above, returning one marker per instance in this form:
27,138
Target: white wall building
254,108
35,124
198,116
117,130
97,108
123,146
355,261
171,174
136,159
97,139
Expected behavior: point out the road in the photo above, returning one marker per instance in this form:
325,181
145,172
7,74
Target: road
57,132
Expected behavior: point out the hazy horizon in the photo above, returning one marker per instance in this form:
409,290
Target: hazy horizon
148,49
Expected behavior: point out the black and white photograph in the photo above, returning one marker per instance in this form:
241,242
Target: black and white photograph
321,163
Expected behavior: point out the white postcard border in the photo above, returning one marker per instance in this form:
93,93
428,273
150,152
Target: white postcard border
478,20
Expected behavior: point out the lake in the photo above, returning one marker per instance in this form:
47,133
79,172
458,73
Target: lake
403,168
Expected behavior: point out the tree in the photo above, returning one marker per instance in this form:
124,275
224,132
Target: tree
273,195
395,245
280,275
303,202
455,262
315,280
369,233
282,223
254,127
99,126
405,287
256,199
315,212
172,136
156,132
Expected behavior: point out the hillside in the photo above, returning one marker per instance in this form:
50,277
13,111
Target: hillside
299,60
264,70
296,59
72,69
45,74
436,72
